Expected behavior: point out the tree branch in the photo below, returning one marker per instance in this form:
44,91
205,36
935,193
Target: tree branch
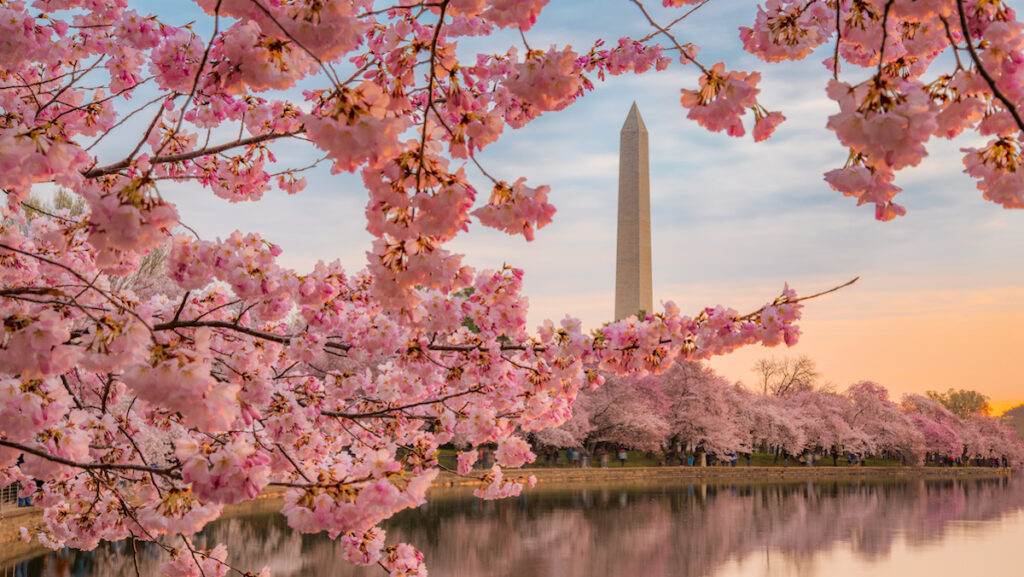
182,156
167,472
1010,107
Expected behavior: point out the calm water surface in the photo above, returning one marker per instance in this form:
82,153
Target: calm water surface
838,529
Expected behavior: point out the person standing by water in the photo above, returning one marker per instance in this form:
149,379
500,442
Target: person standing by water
622,456
23,501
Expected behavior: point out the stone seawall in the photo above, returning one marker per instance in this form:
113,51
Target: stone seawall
12,519
13,549
729,474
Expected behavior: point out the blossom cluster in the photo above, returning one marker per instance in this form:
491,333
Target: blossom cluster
887,119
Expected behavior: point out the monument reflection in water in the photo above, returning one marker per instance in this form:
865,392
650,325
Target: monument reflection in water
805,530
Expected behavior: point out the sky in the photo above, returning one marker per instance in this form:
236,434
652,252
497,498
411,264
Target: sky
940,300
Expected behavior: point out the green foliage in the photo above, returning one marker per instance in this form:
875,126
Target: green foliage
464,293
469,324
1014,418
963,403
36,205
467,321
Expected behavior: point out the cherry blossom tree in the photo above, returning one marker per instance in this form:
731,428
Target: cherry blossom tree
775,426
703,410
939,427
623,412
881,425
987,438
822,419
144,413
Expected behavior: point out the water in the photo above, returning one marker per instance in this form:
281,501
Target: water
839,529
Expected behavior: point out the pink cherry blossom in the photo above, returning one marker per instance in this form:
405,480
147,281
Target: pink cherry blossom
144,397
722,99
517,209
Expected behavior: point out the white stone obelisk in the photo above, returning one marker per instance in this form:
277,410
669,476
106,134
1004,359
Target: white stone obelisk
633,291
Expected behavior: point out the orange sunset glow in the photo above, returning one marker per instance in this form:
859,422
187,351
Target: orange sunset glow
908,340
910,343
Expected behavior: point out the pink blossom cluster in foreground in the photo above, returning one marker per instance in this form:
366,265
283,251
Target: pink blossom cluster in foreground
144,409
690,407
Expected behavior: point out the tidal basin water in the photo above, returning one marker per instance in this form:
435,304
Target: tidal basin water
838,529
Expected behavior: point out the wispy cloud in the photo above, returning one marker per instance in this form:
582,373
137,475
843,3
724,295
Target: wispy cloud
733,220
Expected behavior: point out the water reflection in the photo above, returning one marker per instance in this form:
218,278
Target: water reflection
680,530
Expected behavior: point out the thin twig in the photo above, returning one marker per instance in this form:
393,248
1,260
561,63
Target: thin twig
326,70
430,94
839,38
952,43
668,34
885,35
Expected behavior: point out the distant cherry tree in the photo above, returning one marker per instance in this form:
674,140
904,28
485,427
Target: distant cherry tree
703,410
939,427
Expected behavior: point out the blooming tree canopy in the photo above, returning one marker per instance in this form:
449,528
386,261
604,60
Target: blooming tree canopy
145,414
703,410
690,408
938,425
621,412
822,419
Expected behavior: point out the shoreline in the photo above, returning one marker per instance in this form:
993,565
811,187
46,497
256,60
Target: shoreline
727,474
13,549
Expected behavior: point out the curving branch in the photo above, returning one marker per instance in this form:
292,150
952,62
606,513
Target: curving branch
801,299
1010,106
385,412
87,282
464,348
166,471
432,63
182,156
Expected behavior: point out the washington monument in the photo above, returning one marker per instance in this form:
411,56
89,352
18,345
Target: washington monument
633,291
